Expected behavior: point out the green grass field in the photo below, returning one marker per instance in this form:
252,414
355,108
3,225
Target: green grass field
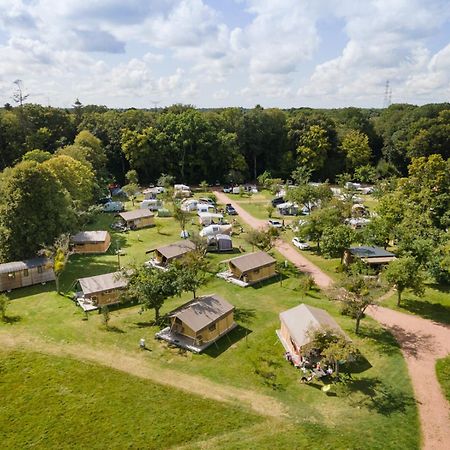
375,407
443,374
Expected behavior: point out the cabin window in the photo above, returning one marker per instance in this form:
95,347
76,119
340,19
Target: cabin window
12,275
25,273
212,327
256,271
40,269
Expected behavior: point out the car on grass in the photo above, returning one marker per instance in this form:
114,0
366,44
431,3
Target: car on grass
229,209
275,223
302,245
227,189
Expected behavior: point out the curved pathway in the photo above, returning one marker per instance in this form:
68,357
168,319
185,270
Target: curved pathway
422,342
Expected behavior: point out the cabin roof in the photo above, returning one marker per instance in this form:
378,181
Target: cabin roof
16,266
105,282
370,252
89,236
300,319
202,311
176,249
252,261
136,214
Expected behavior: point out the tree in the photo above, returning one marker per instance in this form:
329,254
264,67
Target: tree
313,148
191,272
34,210
181,217
335,240
19,96
132,186
94,151
333,346
151,287
404,273
204,186
165,180
356,295
106,316
58,253
4,300
355,146
366,174
264,240
37,155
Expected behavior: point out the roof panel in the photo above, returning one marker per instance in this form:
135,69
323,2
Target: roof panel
252,261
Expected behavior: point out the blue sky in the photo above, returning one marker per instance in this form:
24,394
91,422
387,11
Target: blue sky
212,53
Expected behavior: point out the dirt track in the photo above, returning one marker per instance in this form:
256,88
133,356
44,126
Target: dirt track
422,342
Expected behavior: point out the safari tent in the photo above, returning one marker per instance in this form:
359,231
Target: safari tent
296,324
220,243
253,267
139,218
168,253
198,323
100,290
90,242
19,274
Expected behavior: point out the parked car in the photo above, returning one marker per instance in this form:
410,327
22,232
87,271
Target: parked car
118,226
229,209
207,200
227,189
113,207
275,223
277,201
300,244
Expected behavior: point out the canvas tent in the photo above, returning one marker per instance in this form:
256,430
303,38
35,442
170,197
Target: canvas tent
168,253
252,267
373,256
220,243
19,274
296,324
90,242
198,323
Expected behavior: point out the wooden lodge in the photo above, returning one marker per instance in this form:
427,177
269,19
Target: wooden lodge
139,218
253,267
90,242
169,253
199,323
101,290
19,274
375,257
298,322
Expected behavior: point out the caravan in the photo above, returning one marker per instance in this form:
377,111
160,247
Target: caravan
151,204
206,218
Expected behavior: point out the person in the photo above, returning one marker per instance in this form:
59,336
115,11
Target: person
142,344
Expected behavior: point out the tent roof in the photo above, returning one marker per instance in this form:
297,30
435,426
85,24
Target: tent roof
136,214
252,261
89,236
300,319
176,249
16,266
203,311
105,282
370,252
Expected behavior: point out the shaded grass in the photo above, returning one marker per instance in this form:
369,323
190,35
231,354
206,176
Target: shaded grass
434,305
50,402
443,374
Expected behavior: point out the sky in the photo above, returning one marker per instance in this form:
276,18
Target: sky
219,53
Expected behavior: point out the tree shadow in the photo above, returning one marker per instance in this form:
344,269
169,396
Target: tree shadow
433,311
115,329
149,324
12,319
244,315
383,339
413,343
377,396
27,291
269,281
359,365
226,341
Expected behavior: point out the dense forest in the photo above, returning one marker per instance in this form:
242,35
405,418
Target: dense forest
55,163
234,144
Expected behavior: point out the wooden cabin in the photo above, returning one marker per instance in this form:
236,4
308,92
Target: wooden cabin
19,274
253,267
200,322
90,242
101,290
375,257
296,324
139,218
168,253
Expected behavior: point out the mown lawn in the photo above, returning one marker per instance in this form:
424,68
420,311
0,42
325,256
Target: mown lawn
53,402
443,374
377,401
434,305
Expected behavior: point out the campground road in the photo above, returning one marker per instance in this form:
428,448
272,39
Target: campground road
422,342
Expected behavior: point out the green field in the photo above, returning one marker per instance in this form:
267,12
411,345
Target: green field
375,407
443,374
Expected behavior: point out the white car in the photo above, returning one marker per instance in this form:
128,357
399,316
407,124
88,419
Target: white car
275,223
300,244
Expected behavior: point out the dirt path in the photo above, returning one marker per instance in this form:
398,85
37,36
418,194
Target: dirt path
422,342
138,365
287,250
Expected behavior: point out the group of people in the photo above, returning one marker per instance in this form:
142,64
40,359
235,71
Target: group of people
309,370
